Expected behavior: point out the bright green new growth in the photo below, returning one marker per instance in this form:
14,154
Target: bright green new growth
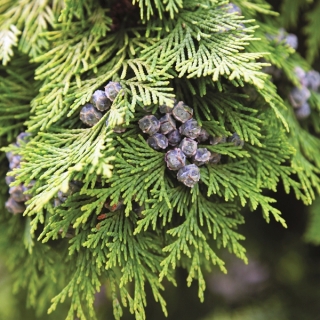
194,51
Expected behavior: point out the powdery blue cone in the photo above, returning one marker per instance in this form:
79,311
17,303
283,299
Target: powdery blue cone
174,137
14,207
112,89
298,96
301,75
17,193
158,141
175,159
182,112
189,175
232,8
289,38
292,41
9,180
303,112
313,80
201,157
15,161
23,137
190,129
235,139
100,100
188,147
61,196
90,115
167,124
149,124
9,155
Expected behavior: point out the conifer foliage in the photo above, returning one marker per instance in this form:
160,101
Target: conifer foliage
103,208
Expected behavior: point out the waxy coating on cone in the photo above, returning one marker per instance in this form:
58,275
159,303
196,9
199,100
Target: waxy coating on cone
101,101
112,89
182,112
189,175
175,159
188,147
90,115
190,129
201,157
174,137
158,141
149,124
167,124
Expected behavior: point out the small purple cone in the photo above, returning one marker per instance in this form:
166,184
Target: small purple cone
14,207
100,100
17,193
158,141
174,137
90,115
201,157
182,112
292,41
190,129
235,139
112,89
149,124
23,137
303,112
175,159
189,175
188,147
167,124
313,80
298,96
